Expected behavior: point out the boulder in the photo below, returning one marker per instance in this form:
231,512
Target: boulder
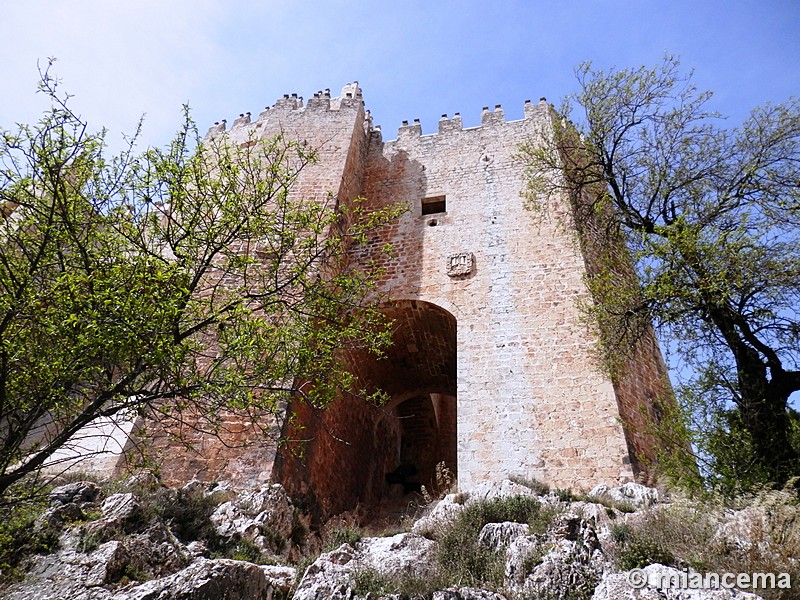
495,536
648,584
280,578
79,492
441,514
117,510
108,563
634,494
56,516
198,548
206,579
264,516
569,559
157,551
489,490
401,554
330,576
74,575
120,507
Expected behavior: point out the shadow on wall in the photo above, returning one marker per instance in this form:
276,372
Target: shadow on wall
341,457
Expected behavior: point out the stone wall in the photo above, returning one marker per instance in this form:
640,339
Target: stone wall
530,399
243,450
493,370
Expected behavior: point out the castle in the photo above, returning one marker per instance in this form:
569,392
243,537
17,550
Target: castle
492,370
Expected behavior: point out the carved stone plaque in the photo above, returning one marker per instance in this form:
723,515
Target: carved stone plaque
459,265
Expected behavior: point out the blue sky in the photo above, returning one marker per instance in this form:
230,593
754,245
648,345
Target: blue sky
413,59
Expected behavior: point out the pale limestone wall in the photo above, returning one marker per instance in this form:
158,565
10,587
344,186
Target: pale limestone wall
530,401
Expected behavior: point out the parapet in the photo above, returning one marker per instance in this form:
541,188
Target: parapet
489,118
351,97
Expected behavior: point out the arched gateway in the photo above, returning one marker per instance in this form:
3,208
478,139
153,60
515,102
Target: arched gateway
358,453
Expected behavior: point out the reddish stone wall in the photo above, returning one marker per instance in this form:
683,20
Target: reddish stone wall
239,452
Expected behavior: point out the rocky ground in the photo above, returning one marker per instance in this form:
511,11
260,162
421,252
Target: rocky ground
497,541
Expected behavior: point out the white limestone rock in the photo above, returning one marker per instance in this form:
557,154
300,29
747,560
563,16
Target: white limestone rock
79,491
279,577
257,516
617,586
158,550
74,575
735,531
206,579
489,490
442,514
636,495
197,548
401,554
568,559
108,563
330,576
120,507
495,536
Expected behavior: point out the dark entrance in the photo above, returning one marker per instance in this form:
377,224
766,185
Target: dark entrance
357,453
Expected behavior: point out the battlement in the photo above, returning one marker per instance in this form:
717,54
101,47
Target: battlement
351,97
320,102
452,126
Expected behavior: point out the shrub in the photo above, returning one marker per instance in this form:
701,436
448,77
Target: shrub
299,531
369,581
541,489
460,557
247,550
763,537
637,552
338,536
567,495
21,535
187,511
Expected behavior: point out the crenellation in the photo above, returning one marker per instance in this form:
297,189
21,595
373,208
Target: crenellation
218,128
408,132
495,117
449,125
319,102
288,102
241,120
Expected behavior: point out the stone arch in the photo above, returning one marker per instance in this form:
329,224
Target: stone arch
353,445
416,429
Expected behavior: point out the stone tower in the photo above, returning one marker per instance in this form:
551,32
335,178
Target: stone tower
492,370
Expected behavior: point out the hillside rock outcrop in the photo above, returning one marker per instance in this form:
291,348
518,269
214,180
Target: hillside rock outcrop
122,548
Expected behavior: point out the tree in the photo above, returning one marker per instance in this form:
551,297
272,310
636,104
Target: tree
186,278
710,214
